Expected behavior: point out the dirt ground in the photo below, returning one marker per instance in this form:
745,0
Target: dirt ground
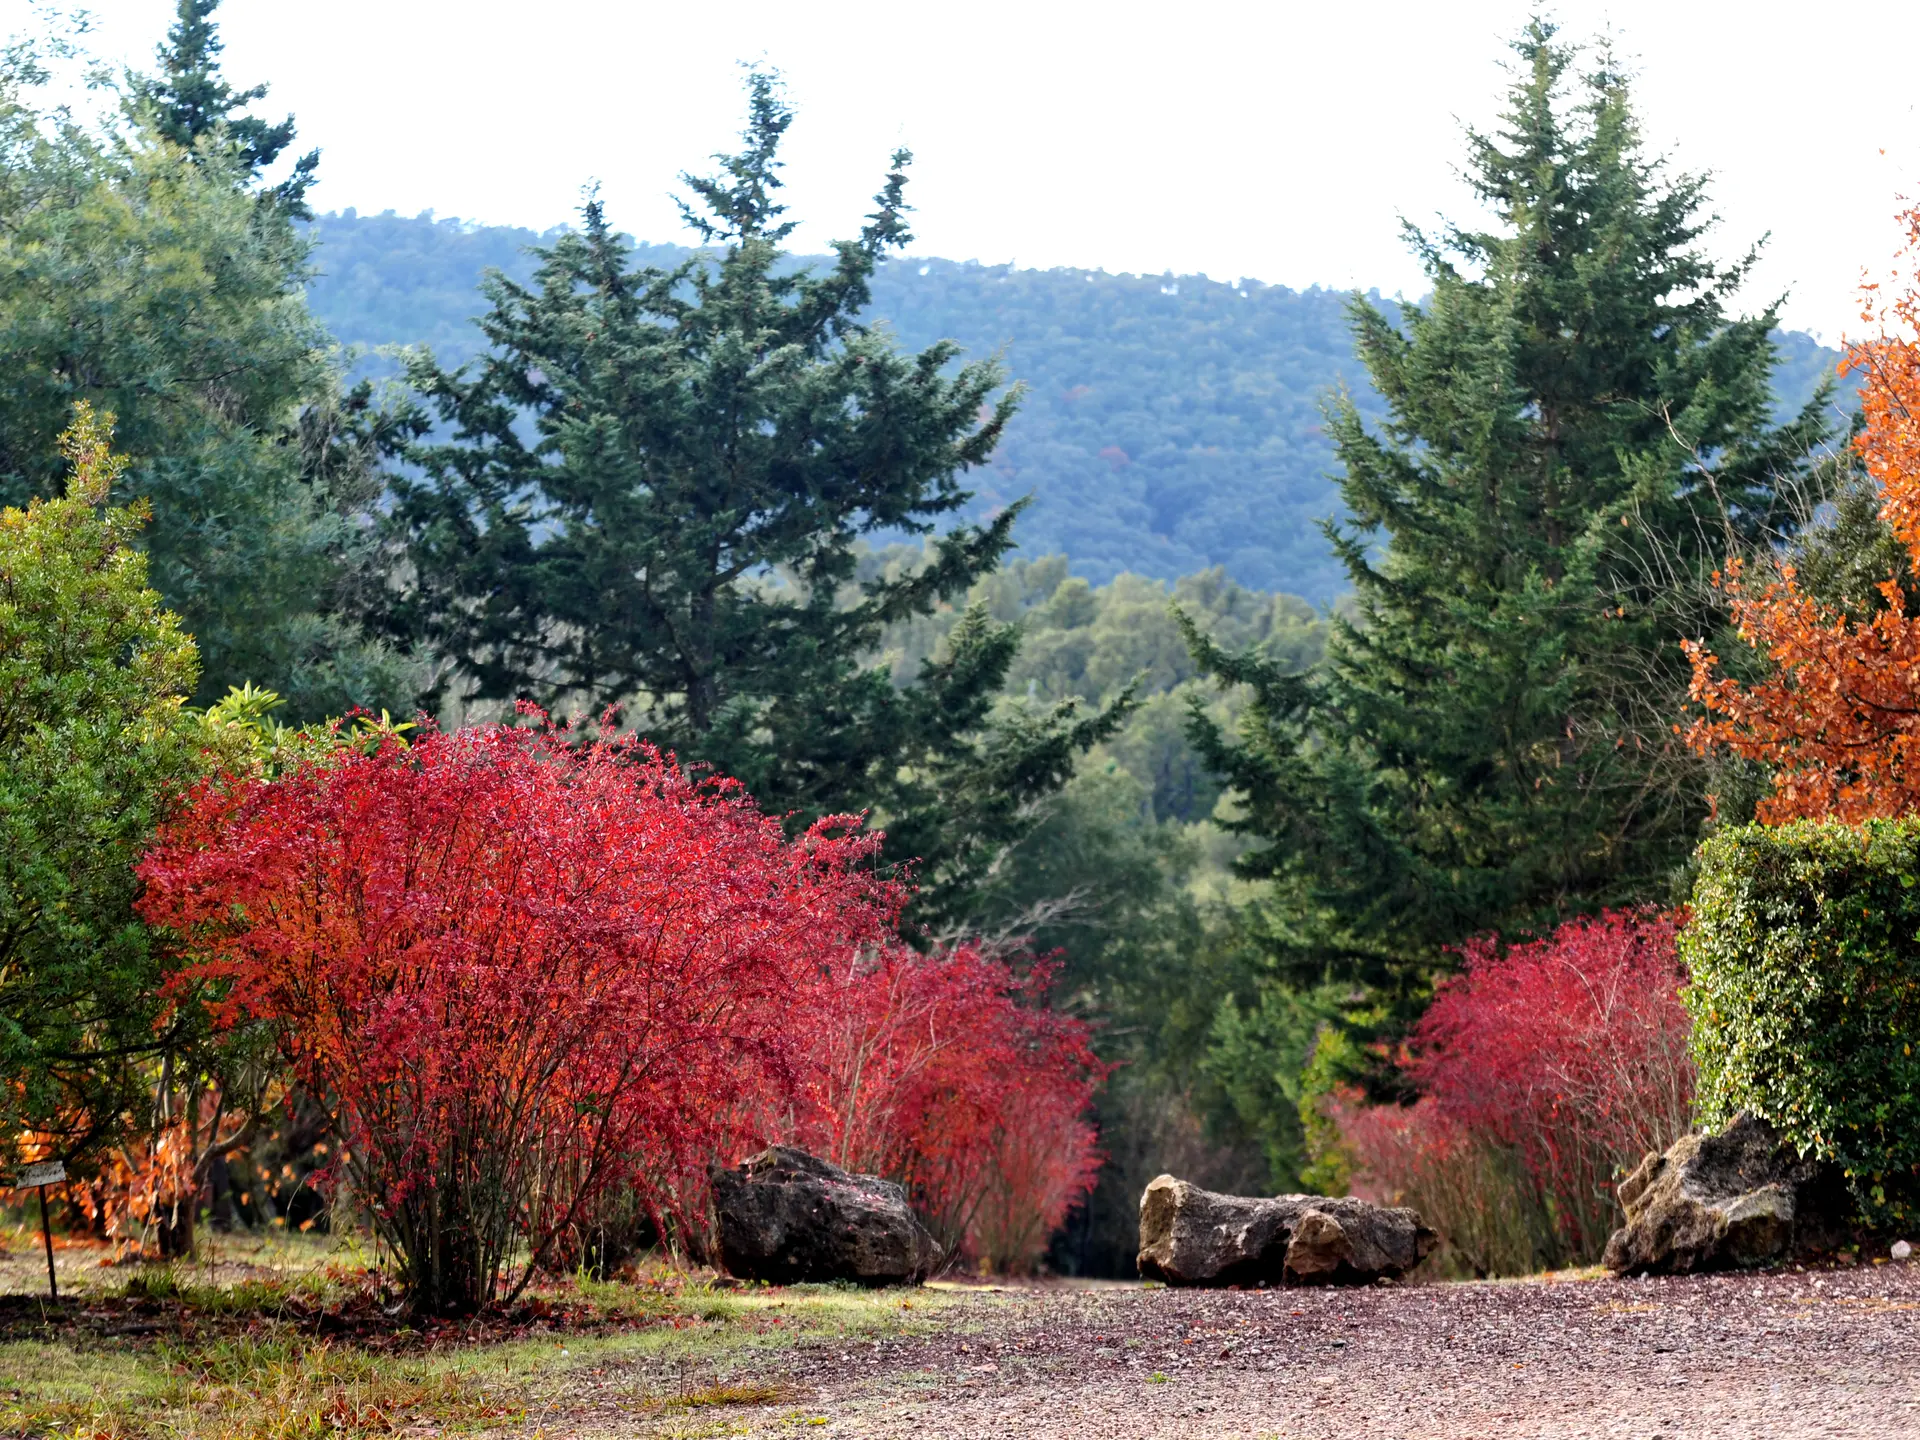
1826,1353
1816,1352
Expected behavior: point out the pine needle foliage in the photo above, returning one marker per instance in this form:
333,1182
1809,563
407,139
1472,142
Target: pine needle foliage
189,103
1578,434
655,494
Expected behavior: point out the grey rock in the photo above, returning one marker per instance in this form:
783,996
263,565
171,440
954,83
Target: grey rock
1716,1202
1190,1236
786,1216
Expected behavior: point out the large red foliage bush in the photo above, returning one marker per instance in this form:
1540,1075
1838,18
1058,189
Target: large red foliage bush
524,971
949,1073
1546,1069
543,983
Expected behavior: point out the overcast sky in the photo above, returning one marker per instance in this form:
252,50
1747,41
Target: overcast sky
1279,141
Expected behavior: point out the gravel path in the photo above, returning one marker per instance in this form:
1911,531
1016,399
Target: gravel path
1828,1353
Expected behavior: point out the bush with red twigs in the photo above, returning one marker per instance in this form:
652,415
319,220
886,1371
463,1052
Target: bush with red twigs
949,1073
544,985
1547,1069
525,971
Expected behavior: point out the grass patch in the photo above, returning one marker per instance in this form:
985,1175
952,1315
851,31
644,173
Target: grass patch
281,1390
56,1387
278,1388
747,1392
258,1353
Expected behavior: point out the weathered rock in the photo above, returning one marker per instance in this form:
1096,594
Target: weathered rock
1190,1236
786,1216
1714,1202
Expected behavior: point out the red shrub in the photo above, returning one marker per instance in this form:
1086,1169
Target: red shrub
525,972
949,1073
1557,1063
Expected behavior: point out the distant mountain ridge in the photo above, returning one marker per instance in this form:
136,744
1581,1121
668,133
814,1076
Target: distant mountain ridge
1172,423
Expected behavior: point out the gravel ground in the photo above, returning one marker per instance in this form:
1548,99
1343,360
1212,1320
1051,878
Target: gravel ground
1814,1353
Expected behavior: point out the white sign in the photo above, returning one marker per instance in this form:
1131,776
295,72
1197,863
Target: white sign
47,1172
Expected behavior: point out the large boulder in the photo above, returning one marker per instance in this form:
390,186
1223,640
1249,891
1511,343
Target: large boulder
1714,1202
1190,1236
787,1216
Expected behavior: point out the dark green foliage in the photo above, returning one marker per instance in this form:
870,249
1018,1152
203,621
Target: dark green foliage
152,281
981,772
655,495
1122,877
189,102
1170,424
1079,642
1578,435
1804,947
1849,552
93,743
1125,878
1123,858
1257,1055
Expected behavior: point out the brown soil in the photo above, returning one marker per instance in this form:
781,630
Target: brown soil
1811,1353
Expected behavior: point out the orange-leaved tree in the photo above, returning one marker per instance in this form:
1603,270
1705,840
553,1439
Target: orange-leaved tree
1837,716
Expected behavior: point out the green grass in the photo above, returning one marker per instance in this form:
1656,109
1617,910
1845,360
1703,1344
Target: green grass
276,1389
245,1371
737,1392
60,1386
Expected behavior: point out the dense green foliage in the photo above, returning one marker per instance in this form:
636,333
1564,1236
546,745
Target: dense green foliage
188,103
93,741
1091,644
678,533
1170,424
1125,875
157,282
763,504
1804,946
1578,436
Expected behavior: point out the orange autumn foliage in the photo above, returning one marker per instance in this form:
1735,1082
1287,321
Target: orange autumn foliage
1838,716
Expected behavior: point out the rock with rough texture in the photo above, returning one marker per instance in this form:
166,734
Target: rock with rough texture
786,1216
1715,1202
1190,1236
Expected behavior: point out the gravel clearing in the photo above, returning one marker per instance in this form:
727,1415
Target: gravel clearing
1813,1353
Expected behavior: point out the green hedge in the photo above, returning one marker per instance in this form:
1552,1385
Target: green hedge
1805,951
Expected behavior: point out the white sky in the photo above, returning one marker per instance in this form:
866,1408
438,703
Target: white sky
1279,141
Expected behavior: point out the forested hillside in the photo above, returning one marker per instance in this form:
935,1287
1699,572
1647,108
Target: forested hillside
1171,423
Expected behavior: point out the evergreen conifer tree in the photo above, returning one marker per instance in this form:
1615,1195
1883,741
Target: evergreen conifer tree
655,497
189,98
1578,434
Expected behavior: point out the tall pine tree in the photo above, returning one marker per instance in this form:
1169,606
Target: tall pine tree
654,497
1577,435
189,99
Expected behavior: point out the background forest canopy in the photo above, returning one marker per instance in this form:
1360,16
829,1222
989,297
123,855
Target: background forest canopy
1171,423
1252,651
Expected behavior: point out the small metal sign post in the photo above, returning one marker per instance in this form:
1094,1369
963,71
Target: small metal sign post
38,1177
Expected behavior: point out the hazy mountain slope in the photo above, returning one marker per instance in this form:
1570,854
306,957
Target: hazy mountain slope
1170,423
